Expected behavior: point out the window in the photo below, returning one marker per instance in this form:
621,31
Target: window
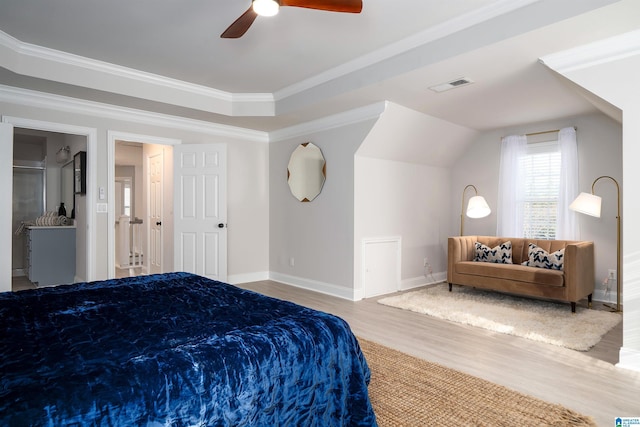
538,180
124,196
541,187
126,199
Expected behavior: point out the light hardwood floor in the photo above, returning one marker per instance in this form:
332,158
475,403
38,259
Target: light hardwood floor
587,382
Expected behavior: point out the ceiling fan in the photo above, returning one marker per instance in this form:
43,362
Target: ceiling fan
270,8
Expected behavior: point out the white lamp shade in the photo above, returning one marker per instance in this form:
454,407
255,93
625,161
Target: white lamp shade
478,207
588,204
265,7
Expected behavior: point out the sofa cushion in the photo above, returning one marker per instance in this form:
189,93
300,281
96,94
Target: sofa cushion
540,258
515,272
499,254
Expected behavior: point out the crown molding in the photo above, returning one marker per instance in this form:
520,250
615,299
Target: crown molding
36,99
30,98
357,115
50,64
589,55
61,57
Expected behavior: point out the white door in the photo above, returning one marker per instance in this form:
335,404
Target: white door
155,213
6,177
200,229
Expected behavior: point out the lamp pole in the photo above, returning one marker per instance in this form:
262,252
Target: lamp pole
462,208
618,263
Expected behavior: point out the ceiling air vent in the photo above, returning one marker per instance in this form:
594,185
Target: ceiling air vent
463,81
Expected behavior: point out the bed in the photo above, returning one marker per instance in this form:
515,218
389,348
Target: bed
175,349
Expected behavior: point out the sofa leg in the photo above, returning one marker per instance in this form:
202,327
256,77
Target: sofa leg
450,287
573,307
590,299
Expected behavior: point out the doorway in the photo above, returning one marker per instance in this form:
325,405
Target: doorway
194,206
86,235
141,215
41,191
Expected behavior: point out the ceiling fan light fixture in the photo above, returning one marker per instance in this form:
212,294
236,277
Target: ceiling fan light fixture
266,7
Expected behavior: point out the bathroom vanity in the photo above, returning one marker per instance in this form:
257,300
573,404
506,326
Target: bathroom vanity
51,255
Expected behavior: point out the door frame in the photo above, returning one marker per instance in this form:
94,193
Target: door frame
112,137
91,134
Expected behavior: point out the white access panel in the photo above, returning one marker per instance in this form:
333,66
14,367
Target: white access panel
381,264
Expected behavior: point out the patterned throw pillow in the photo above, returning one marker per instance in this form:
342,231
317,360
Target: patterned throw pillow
538,257
499,254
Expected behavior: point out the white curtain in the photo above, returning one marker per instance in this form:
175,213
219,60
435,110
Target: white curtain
509,215
566,226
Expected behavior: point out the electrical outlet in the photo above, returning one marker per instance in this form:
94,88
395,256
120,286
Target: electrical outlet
425,262
292,262
612,274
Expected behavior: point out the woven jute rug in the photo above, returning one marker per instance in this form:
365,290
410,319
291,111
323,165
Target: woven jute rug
408,391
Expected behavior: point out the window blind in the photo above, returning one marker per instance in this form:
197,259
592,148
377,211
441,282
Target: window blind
541,171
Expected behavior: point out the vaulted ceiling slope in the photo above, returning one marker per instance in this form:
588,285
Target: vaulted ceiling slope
301,65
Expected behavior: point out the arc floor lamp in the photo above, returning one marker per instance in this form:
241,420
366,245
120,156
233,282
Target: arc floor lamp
590,204
476,208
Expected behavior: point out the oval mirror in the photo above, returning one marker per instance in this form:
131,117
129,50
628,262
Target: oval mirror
306,172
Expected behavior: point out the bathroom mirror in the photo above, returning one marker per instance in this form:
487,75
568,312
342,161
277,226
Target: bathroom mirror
306,172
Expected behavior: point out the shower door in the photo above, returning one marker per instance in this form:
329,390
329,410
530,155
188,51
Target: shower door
29,196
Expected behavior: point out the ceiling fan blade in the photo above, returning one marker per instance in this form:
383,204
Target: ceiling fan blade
350,6
240,25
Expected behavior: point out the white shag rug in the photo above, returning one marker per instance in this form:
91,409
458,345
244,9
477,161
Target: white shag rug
537,320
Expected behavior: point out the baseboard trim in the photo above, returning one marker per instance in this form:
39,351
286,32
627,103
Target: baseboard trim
257,276
329,288
317,286
601,295
420,281
629,359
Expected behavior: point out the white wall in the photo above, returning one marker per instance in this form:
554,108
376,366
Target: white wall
406,135
408,200
319,234
248,213
392,186
614,78
599,152
6,215
403,189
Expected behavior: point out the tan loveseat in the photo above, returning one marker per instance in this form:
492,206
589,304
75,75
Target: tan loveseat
575,282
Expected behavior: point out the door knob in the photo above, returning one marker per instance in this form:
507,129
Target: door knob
221,225
159,223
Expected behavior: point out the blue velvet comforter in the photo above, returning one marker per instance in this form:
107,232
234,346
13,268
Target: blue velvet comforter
175,350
